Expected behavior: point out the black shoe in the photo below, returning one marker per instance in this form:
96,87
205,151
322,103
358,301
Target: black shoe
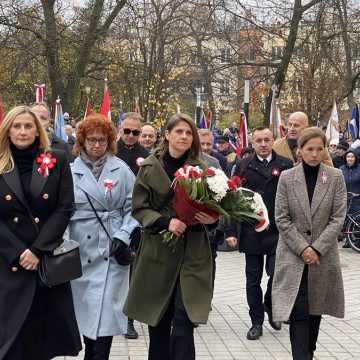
131,332
346,245
276,325
255,332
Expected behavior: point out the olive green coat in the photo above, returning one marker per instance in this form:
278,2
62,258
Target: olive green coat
157,268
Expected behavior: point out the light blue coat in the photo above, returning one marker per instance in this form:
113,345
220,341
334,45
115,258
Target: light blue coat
99,295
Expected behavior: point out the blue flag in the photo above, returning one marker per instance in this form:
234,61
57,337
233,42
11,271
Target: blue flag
59,122
121,118
354,123
202,123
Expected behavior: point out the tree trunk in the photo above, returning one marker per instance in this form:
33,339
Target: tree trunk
52,50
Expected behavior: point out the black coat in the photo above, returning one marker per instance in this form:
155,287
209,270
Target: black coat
58,144
51,204
133,157
264,181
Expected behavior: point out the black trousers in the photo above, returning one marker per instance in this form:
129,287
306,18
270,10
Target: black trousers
304,328
173,337
98,349
254,272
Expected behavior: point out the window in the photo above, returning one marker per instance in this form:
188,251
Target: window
225,55
252,54
224,87
194,59
175,58
277,52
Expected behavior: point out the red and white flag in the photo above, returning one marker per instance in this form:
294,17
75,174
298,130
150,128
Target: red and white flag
208,120
39,93
105,106
242,139
88,109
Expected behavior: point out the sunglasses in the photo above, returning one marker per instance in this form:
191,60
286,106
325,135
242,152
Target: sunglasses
134,132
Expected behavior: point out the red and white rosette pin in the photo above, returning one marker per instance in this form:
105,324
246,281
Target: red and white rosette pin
139,161
324,177
108,184
275,172
46,162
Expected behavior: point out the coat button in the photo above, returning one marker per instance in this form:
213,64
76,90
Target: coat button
8,197
106,259
14,269
89,261
45,196
16,219
37,220
89,236
308,232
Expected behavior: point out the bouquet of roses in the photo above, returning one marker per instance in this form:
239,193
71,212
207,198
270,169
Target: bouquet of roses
212,192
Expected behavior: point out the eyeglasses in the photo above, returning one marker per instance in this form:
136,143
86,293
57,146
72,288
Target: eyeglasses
93,141
134,132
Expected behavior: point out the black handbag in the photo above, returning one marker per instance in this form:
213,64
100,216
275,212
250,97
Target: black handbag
122,253
62,265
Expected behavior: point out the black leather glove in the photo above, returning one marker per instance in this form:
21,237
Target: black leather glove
122,253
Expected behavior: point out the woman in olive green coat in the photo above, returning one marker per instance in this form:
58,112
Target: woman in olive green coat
170,291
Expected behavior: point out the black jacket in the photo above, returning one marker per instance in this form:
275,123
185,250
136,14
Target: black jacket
133,156
51,204
58,144
222,160
264,181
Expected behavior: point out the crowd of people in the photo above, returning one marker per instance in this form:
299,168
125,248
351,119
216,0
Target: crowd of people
110,190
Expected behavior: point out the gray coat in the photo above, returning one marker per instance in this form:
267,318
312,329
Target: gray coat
99,295
300,226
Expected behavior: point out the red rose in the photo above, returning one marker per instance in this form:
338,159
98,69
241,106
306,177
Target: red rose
210,172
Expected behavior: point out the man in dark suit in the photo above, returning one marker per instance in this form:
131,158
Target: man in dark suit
260,172
42,111
129,149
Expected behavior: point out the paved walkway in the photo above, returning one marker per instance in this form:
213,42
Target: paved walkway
224,337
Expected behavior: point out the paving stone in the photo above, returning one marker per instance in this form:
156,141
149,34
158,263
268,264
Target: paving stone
224,337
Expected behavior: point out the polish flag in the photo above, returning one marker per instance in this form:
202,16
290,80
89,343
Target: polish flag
39,93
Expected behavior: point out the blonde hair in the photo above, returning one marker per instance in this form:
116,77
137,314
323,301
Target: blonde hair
6,159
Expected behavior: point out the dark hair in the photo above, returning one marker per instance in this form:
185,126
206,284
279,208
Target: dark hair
96,122
195,148
260,128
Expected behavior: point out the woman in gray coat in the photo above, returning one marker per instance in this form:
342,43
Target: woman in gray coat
310,210
107,182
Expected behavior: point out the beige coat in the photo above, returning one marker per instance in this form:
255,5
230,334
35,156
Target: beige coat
282,148
300,226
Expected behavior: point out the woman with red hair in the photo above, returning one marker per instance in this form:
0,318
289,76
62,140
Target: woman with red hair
102,223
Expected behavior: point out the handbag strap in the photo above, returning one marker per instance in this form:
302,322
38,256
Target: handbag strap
97,216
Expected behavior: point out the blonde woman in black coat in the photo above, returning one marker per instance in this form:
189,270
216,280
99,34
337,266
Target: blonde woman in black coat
36,200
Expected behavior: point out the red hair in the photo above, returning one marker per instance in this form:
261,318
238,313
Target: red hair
96,122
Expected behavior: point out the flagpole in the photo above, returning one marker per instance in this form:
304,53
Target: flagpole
247,99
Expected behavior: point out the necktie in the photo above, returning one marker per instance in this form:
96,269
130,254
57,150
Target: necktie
265,162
